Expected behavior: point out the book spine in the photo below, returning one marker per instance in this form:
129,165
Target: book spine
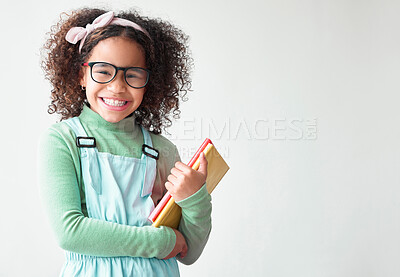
169,209
197,154
157,210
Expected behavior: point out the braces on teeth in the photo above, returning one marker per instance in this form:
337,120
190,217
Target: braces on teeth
113,102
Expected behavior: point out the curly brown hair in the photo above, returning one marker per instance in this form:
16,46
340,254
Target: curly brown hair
167,57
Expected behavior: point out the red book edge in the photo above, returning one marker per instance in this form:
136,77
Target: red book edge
160,206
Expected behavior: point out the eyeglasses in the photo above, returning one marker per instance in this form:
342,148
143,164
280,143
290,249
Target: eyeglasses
103,73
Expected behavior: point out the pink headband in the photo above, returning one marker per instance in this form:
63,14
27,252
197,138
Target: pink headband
76,34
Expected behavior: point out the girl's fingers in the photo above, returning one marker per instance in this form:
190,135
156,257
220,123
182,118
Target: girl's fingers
182,167
171,178
169,186
176,172
203,164
183,252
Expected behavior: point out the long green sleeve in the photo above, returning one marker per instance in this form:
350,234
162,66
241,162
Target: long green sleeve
195,224
63,195
78,233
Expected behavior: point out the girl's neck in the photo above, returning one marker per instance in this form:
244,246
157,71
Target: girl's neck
94,120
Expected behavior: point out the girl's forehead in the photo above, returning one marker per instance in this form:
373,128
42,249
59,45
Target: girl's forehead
120,51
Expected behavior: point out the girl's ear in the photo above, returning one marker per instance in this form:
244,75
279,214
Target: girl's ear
82,77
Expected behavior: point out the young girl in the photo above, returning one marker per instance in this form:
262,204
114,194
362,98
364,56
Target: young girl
115,80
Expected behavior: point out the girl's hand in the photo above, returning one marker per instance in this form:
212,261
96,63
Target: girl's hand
185,181
180,246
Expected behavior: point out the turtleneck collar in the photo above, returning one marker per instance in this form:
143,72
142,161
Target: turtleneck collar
94,120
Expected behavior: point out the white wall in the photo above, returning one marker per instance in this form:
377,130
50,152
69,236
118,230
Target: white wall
304,108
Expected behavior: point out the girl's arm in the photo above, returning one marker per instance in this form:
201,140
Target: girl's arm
195,223
74,232
188,189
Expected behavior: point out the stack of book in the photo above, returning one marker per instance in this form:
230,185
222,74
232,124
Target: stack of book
167,212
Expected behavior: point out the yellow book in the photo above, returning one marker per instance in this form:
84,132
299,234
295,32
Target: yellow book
170,215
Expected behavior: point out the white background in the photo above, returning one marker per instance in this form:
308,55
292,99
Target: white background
302,99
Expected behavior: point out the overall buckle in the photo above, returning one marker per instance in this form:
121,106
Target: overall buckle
153,153
89,142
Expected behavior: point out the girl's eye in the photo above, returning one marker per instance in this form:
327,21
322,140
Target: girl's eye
103,72
132,76
135,74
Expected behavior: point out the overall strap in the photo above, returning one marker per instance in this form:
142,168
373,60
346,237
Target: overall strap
146,137
88,154
76,126
151,165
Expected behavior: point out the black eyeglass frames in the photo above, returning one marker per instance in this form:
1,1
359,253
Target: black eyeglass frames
103,73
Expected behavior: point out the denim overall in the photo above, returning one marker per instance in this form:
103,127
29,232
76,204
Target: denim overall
117,189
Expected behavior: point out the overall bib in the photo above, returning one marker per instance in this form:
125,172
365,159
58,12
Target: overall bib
117,189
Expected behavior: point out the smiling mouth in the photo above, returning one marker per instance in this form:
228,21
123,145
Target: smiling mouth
114,102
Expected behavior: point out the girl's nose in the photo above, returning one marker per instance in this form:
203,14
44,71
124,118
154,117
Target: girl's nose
118,84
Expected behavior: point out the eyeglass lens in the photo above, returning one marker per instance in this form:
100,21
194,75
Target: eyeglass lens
104,73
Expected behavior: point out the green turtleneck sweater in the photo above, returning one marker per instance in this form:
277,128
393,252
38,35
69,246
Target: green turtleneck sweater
63,194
